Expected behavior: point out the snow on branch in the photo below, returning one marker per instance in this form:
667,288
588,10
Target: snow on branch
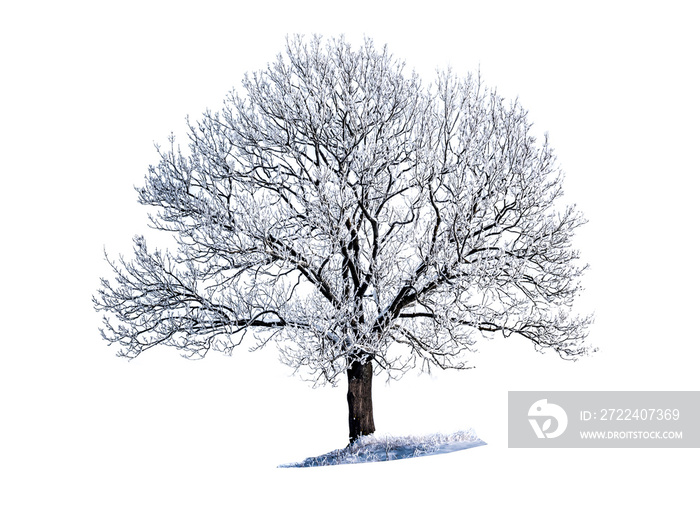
342,209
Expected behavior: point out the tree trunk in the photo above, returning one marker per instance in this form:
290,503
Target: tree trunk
361,415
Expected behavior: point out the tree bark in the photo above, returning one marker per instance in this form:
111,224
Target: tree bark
361,415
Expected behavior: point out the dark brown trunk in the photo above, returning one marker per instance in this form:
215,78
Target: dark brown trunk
361,415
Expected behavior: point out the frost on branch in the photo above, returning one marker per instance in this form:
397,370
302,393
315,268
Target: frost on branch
345,211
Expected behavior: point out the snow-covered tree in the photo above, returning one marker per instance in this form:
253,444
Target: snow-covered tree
356,218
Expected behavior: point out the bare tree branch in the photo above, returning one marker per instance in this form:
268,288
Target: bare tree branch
343,210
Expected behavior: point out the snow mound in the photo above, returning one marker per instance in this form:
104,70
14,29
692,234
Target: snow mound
380,448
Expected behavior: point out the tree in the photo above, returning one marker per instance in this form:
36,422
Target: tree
358,219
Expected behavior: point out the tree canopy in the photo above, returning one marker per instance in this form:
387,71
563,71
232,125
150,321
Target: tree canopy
342,209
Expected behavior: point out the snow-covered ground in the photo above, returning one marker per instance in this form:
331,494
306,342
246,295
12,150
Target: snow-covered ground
383,447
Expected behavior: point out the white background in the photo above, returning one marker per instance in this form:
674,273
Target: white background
86,88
